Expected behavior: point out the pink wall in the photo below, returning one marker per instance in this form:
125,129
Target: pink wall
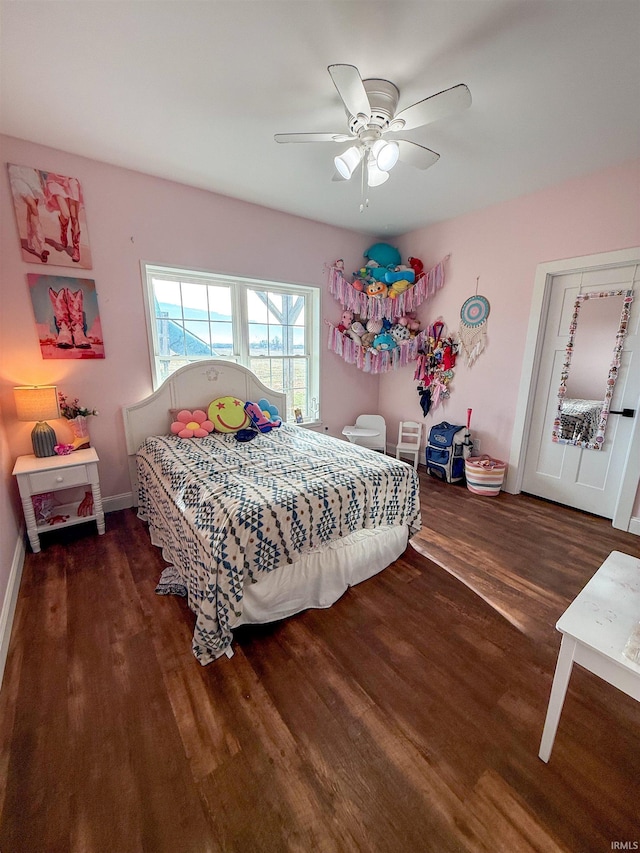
133,217
503,245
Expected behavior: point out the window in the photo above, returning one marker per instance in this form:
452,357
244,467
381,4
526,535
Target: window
270,327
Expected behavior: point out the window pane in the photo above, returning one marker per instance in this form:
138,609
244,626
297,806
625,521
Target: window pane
258,339
219,302
298,338
275,340
256,307
194,301
275,307
197,337
222,339
167,297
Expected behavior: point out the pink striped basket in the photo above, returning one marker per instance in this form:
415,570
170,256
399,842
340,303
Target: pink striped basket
484,475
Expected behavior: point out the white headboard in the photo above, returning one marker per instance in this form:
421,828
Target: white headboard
191,387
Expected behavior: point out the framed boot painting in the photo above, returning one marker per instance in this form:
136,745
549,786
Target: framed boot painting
50,215
67,316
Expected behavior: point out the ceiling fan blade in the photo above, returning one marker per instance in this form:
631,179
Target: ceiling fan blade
417,155
431,109
313,137
351,89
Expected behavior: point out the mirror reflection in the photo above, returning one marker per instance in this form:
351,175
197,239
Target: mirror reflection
596,336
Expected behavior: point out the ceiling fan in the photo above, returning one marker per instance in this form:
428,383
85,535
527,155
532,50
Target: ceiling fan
371,109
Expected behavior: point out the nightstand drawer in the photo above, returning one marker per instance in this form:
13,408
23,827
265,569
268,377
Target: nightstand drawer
61,478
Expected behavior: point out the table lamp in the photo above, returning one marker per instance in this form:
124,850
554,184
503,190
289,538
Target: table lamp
37,403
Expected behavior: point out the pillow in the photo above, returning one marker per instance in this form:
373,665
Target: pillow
263,415
227,414
191,424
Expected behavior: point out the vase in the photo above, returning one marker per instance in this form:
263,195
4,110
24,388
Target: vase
80,429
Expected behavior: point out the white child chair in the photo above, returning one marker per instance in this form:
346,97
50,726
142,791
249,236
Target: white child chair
409,436
377,424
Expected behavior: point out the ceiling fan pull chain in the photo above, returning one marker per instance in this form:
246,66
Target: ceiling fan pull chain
364,183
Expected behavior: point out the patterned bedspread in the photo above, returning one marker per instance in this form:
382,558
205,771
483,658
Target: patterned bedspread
226,513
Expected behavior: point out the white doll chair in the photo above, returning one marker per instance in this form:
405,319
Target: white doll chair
409,437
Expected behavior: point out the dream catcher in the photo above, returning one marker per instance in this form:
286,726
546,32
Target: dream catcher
473,326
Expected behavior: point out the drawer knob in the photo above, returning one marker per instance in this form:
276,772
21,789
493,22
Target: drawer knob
59,479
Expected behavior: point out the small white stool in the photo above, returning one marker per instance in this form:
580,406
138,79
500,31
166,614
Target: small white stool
595,629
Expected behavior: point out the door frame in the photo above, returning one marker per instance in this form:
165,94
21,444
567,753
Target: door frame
529,377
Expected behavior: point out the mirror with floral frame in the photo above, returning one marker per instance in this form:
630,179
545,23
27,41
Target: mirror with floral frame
598,326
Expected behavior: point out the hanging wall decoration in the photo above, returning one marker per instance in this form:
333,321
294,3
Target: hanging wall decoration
50,215
378,330
473,326
66,315
435,367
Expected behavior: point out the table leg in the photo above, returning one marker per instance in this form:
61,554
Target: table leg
558,692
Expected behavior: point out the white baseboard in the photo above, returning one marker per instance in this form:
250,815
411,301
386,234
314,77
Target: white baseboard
116,502
634,526
10,599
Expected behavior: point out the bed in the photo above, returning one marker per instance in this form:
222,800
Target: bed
256,531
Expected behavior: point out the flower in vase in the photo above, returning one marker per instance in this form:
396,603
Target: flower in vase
72,409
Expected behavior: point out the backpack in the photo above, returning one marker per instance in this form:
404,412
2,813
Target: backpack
448,446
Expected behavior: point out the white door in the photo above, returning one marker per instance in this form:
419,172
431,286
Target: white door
587,479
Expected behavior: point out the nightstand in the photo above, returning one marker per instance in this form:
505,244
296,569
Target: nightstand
37,475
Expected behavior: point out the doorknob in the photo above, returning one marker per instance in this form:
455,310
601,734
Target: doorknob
626,413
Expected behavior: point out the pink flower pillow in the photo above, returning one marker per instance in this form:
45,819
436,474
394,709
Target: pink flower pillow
191,424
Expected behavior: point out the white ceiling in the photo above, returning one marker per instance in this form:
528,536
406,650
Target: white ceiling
195,91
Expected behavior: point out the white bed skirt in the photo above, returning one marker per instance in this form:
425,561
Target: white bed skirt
318,579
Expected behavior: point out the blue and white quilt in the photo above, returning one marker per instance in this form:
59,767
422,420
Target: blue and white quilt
226,513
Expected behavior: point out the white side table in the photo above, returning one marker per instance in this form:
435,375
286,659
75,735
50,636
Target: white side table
37,475
595,629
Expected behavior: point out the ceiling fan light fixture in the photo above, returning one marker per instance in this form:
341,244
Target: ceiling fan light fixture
347,162
385,154
375,176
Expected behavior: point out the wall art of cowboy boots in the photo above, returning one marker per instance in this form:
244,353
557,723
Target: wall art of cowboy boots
61,317
77,319
75,237
64,224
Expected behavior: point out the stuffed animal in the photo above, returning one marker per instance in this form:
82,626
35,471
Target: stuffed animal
356,332
409,320
377,289
384,255
345,321
401,273
375,326
399,333
227,414
339,264
367,339
399,287
416,265
384,341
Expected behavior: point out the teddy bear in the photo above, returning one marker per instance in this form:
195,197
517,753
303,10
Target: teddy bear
409,320
367,339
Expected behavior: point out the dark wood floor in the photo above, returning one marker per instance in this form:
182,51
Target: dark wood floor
407,717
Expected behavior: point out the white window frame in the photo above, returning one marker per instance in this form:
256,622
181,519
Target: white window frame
240,325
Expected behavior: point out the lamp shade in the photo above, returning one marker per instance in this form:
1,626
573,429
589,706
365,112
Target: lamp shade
346,163
36,402
386,154
375,176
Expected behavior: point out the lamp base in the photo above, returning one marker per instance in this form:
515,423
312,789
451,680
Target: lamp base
44,439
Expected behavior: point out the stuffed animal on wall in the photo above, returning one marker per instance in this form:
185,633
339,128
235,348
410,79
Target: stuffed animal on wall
401,273
345,321
384,341
399,333
383,254
416,265
377,289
